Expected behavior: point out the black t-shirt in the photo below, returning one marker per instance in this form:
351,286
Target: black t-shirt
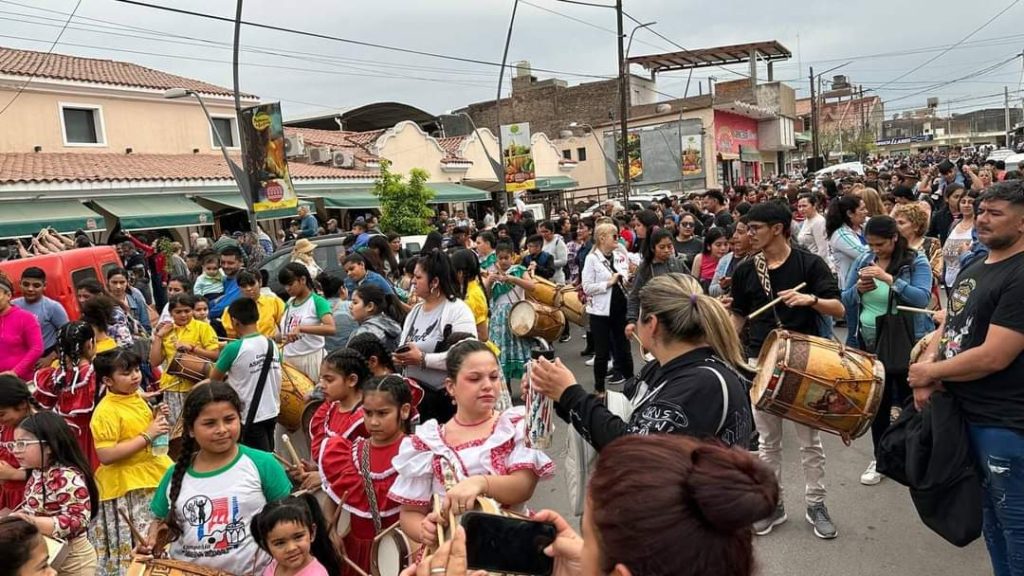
748,295
984,294
723,219
689,249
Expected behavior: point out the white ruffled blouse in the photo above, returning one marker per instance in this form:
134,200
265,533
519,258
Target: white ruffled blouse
419,460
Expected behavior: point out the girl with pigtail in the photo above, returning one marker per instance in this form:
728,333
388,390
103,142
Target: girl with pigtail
206,502
16,404
69,389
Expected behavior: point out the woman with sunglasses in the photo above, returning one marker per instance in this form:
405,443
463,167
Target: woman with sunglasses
686,241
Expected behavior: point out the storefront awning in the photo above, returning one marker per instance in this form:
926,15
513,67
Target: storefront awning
361,196
556,183
233,201
25,218
749,155
158,211
448,192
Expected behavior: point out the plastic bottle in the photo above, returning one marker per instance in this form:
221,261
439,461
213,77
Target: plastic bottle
161,445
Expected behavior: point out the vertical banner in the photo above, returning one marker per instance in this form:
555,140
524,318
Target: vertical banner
693,155
268,168
634,151
517,158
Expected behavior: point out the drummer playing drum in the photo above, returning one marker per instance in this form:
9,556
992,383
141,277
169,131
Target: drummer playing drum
186,335
773,273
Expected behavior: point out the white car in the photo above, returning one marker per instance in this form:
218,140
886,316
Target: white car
1000,154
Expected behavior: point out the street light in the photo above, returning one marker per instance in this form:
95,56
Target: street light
608,160
623,101
236,171
499,169
635,28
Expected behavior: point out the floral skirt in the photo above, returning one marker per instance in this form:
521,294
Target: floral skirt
112,537
515,351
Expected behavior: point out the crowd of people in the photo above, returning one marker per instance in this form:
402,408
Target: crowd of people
148,426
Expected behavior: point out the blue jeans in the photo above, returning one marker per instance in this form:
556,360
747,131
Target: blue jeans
1000,456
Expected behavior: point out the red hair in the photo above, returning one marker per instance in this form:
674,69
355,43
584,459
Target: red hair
673,505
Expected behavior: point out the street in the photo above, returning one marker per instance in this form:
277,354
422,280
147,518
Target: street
879,530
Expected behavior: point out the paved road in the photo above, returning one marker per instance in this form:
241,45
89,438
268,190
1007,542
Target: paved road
879,531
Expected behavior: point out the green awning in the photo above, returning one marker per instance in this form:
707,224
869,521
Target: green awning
749,155
445,192
234,201
19,218
556,183
157,211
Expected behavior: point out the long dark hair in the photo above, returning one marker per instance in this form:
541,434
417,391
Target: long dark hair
14,392
397,390
433,242
72,339
378,252
465,261
902,253
648,248
436,264
305,511
386,302
838,215
55,433
713,235
198,398
293,271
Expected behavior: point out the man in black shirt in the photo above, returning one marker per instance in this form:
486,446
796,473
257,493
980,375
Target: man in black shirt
979,359
800,311
714,203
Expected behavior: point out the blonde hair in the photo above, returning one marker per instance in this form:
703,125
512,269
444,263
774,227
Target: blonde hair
605,229
689,315
873,202
914,214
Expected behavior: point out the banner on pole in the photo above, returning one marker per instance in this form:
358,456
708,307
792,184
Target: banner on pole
517,158
268,175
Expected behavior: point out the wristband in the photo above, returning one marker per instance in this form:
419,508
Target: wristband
147,438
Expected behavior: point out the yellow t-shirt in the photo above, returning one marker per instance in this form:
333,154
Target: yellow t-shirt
106,345
195,332
477,302
118,418
271,311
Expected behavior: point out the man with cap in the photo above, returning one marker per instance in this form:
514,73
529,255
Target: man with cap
332,226
308,225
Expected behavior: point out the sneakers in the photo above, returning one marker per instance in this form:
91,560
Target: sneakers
590,362
565,337
817,516
871,477
764,526
616,380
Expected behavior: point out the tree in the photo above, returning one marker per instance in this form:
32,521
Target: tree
403,205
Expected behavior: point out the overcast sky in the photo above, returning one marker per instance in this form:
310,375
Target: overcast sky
316,75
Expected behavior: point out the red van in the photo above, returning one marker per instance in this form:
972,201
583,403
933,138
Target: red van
64,270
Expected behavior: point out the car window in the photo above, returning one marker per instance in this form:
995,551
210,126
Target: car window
326,257
108,267
83,274
413,247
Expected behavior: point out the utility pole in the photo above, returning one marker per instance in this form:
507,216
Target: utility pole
815,147
623,107
1006,114
244,184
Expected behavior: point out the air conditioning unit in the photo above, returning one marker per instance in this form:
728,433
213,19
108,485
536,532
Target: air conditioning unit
294,146
343,159
320,155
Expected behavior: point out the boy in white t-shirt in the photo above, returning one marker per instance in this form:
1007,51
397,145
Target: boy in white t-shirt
241,363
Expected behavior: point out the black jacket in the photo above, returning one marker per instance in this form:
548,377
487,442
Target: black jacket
683,397
545,264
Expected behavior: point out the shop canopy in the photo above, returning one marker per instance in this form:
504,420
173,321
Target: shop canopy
20,218
361,196
234,201
556,183
157,211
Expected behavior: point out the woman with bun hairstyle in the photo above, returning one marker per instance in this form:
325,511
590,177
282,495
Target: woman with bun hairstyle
690,388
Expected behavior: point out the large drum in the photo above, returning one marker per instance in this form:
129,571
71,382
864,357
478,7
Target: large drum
818,383
391,551
546,292
167,567
295,386
189,367
534,320
575,311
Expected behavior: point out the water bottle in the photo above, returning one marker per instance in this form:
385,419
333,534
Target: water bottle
160,445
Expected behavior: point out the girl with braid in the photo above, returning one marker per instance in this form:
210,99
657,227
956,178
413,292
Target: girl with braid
69,389
206,502
123,428
16,404
349,467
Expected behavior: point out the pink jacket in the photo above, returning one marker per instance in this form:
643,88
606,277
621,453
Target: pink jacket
21,342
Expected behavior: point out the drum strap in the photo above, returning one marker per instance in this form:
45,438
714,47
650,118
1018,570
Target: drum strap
254,404
725,397
371,495
761,266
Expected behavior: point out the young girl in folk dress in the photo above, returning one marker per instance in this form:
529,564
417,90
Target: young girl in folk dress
16,404
123,428
69,389
348,466
294,532
61,497
485,450
507,286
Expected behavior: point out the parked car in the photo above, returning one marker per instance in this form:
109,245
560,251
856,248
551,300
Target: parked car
64,270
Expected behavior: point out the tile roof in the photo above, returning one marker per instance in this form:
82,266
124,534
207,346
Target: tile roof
100,167
336,139
365,138
64,67
451,147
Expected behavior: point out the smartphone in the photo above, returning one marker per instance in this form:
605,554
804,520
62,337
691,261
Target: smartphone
508,545
403,349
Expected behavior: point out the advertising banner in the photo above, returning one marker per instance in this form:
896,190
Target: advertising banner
268,168
517,158
693,155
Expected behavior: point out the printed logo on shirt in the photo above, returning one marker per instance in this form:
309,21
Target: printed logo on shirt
417,336
219,527
959,297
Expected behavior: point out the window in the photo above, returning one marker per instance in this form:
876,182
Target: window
82,125
581,154
227,128
81,275
567,154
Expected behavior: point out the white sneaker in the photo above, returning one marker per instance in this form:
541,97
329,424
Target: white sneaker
590,361
871,477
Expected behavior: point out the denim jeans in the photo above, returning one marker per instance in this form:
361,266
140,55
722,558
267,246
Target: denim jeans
1000,456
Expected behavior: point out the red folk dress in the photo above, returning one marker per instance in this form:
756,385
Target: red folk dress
12,492
72,394
330,421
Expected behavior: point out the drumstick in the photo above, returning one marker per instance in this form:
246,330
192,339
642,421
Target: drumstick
136,536
291,451
916,310
437,510
281,459
353,565
772,304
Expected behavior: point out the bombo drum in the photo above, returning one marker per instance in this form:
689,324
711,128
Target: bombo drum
390,553
545,291
295,386
167,567
574,310
189,367
534,320
818,383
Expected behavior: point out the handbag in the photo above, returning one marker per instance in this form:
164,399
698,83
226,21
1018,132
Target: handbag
894,337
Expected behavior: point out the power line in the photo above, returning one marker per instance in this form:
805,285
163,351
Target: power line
586,23
42,61
681,47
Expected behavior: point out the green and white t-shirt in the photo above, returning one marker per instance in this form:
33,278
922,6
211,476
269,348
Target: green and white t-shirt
308,312
214,510
242,361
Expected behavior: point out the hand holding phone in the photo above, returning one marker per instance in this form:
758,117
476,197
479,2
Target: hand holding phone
508,545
